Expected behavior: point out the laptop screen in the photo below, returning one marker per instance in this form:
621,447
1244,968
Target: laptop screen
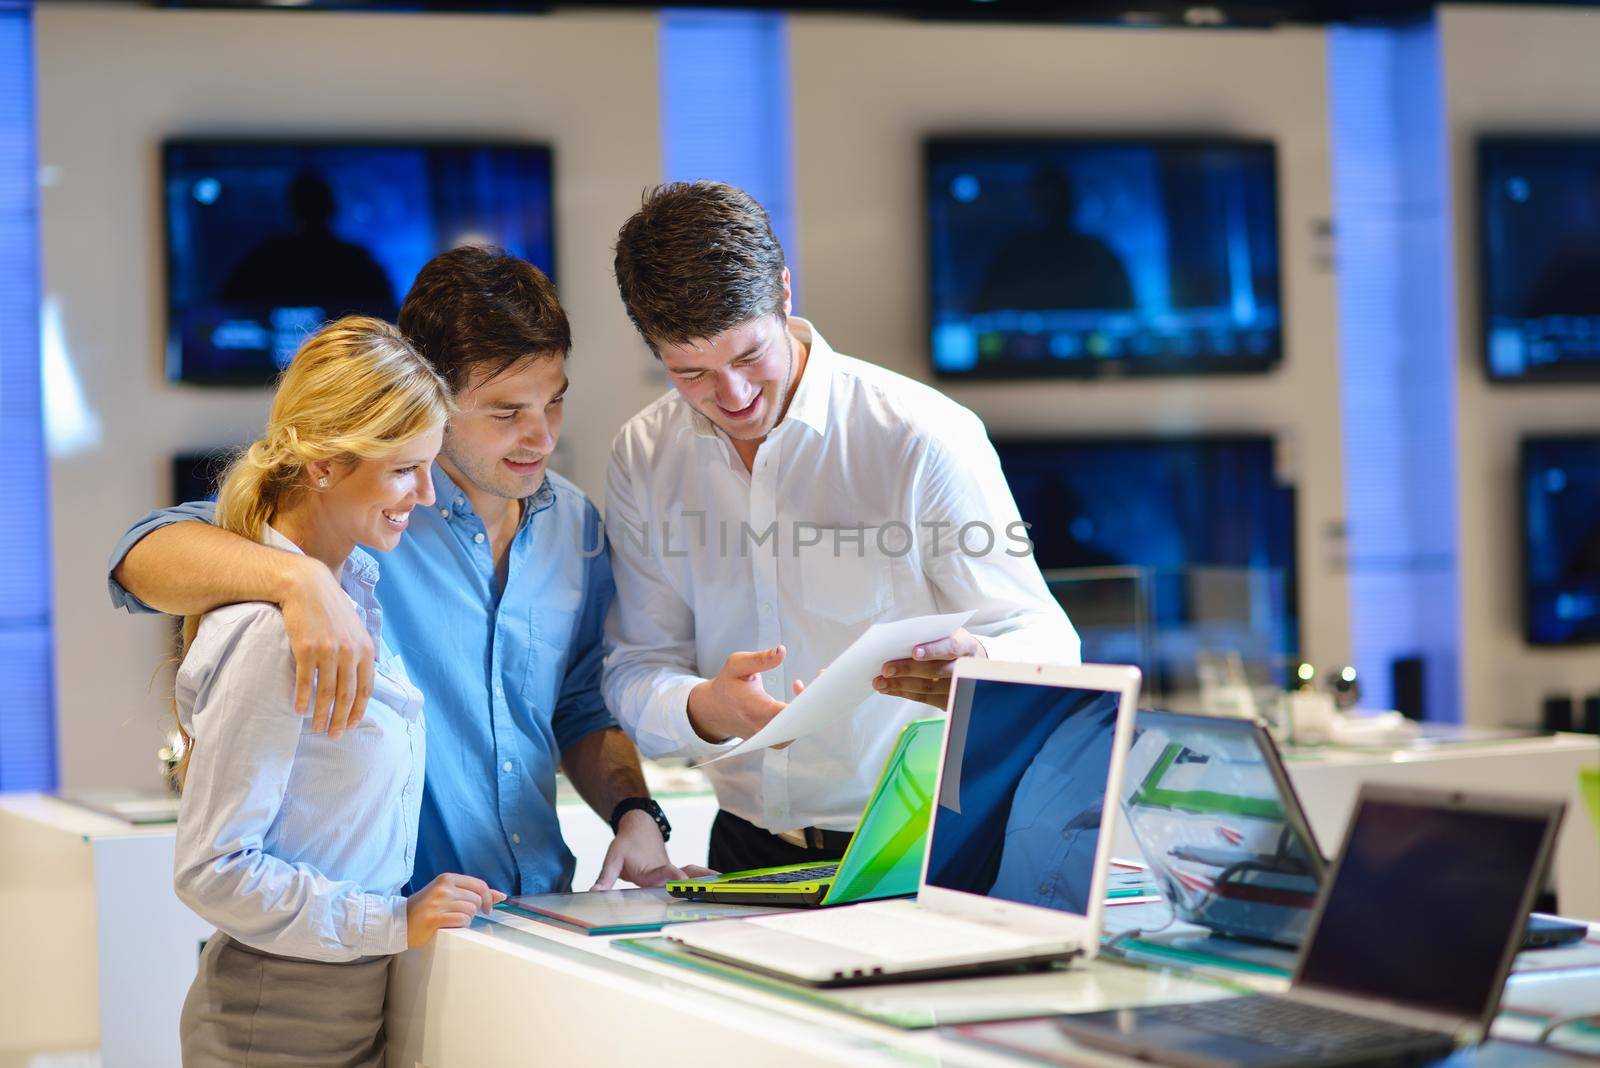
1022,792
1206,802
1426,900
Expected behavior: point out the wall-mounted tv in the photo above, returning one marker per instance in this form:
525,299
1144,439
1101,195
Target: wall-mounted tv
1539,223
1084,257
266,240
1190,542
197,476
1561,540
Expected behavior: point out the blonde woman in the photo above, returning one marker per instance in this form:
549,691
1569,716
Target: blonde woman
293,844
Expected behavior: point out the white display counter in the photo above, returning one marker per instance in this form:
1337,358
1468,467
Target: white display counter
96,952
512,991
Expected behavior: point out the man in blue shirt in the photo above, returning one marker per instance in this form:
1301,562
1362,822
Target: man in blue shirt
495,597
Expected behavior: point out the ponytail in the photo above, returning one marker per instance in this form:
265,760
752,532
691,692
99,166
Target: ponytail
355,390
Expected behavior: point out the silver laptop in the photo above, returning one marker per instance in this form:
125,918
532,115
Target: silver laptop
1014,875
1407,953
1210,804
1216,816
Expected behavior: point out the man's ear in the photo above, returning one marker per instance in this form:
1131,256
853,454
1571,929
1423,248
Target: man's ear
788,295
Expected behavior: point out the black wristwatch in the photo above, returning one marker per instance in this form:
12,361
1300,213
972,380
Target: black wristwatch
643,804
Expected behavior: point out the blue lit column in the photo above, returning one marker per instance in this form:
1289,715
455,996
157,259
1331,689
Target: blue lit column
27,709
1397,356
725,108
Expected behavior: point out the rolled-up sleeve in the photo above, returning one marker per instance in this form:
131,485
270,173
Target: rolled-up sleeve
193,511
581,706
959,485
652,664
246,733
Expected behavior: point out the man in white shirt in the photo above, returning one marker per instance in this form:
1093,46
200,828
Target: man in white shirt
781,499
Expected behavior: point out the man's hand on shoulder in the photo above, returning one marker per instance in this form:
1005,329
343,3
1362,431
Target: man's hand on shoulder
733,704
333,652
925,676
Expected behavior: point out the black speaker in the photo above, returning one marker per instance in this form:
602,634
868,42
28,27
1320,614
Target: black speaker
1407,679
1591,714
1557,715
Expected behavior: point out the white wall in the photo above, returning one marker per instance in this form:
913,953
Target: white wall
113,81
1508,69
867,91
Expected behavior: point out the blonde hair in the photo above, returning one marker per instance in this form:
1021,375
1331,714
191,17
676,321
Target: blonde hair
356,390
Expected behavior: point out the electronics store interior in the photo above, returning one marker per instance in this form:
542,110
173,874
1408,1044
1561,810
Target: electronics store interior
1124,477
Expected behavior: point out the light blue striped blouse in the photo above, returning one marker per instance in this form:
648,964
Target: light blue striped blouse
287,841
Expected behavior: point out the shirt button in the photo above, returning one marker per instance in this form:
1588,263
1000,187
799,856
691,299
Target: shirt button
506,767
445,512
516,839
766,609
1044,888
498,692
478,538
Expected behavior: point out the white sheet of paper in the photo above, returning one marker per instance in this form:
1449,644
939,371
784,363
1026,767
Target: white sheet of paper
954,750
847,681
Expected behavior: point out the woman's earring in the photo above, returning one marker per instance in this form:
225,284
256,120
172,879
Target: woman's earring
322,483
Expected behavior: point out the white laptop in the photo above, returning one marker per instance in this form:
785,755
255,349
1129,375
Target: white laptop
1014,875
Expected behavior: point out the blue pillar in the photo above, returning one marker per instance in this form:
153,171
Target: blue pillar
725,108
27,709
1397,356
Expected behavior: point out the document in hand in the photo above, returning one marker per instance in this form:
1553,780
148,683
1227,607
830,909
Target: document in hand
847,681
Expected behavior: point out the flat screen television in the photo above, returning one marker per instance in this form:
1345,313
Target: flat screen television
1081,257
1561,540
1175,546
266,240
1539,224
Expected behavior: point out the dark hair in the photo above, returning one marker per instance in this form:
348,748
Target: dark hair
695,259
480,306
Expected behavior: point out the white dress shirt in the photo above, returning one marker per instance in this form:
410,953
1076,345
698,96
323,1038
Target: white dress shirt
853,514
289,841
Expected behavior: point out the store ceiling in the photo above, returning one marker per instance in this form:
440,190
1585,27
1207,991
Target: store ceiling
1221,13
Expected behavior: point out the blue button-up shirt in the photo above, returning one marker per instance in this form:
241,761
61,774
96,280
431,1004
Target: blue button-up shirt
289,841
511,679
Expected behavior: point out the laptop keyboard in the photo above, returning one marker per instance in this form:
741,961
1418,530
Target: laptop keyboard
1305,1030
797,875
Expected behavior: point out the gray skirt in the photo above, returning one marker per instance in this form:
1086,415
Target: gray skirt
258,1010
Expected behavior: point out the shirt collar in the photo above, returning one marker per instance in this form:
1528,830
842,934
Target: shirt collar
811,396
450,497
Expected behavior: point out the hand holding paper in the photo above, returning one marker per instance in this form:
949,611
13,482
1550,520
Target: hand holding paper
846,682
925,675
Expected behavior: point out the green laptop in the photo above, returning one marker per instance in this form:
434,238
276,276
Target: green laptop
884,858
